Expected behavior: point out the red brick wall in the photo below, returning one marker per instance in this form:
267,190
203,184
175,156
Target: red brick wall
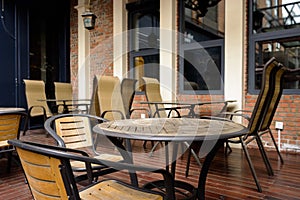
102,59
74,45
101,43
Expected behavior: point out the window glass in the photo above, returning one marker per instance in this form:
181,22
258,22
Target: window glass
275,32
143,26
202,65
273,15
202,69
287,51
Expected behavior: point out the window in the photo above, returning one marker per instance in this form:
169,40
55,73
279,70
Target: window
202,47
143,26
275,31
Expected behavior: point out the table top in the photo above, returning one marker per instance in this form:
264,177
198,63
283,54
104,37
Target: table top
187,102
171,129
11,109
63,100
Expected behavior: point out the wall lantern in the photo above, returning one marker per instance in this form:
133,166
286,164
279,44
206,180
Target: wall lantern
89,19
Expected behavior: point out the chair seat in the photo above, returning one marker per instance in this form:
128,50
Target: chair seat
80,166
111,189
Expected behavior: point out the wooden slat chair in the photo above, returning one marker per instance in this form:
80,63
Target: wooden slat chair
35,92
75,131
10,124
49,174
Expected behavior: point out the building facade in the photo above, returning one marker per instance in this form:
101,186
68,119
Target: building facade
213,51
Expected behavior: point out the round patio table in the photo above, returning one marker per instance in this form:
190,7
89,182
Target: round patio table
212,133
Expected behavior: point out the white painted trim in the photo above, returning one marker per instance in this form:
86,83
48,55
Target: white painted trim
83,76
167,49
234,51
119,42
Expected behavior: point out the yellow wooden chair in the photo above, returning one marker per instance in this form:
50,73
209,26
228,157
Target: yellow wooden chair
10,124
75,131
50,176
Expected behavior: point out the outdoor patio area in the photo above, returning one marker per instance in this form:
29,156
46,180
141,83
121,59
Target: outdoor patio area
229,177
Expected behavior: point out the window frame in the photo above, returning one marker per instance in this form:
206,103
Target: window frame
259,37
204,44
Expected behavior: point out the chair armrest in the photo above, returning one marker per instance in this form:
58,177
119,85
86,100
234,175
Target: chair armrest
112,111
42,107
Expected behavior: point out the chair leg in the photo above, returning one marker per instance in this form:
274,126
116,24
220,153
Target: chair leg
187,169
228,149
9,158
274,142
250,165
191,152
264,156
153,149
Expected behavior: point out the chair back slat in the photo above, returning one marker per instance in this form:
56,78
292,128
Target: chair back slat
43,175
75,131
9,126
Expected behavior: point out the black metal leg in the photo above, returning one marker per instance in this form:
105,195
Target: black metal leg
174,158
264,156
250,165
126,154
278,152
188,162
205,167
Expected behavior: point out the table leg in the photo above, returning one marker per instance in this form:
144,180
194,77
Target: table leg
205,167
126,154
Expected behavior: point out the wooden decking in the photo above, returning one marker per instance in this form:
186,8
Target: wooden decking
229,177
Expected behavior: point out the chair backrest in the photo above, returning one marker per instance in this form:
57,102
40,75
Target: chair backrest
63,91
94,107
34,92
110,98
274,99
72,130
271,72
48,173
128,91
10,124
152,92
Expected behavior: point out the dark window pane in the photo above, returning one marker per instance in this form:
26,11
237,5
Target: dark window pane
287,51
269,16
202,69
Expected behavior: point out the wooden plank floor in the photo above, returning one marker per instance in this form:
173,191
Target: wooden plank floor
229,177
